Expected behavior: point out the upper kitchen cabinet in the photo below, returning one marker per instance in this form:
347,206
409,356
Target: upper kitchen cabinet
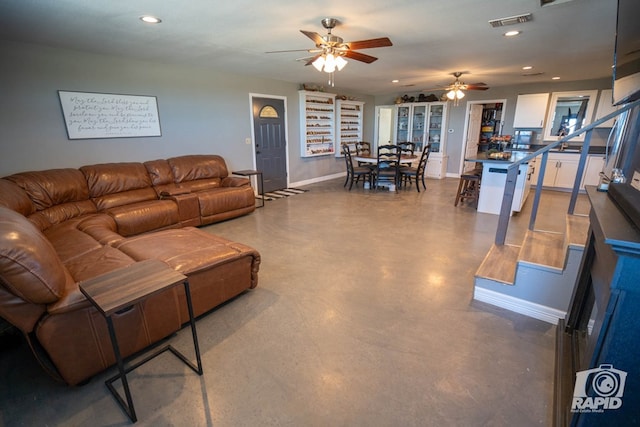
568,113
605,106
530,110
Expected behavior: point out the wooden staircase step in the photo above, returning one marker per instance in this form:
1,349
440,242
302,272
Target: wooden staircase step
577,230
545,249
500,264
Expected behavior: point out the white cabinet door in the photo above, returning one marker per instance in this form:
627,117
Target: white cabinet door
530,110
605,107
436,167
561,170
592,170
566,176
550,173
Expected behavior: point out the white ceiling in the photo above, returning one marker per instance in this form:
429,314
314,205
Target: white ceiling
431,38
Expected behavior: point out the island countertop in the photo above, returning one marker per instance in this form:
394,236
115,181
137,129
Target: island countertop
484,158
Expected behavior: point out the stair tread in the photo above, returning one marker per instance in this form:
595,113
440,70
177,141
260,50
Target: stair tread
577,230
500,264
543,248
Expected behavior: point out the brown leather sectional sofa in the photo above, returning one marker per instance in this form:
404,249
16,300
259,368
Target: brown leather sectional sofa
62,226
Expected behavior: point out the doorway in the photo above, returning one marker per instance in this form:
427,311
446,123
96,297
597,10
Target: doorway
384,125
480,116
270,140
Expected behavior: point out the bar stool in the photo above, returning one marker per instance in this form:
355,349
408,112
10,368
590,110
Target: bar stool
469,187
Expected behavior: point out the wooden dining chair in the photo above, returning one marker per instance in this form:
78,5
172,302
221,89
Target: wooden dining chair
364,149
354,173
407,174
388,166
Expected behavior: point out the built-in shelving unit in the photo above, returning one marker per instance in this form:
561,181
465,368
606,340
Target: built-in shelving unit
317,127
349,124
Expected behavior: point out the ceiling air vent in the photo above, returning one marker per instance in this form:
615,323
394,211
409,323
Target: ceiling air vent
519,19
544,3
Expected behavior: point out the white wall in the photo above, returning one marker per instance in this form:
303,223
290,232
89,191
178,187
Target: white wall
201,111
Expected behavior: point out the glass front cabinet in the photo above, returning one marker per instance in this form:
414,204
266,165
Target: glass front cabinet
317,127
422,123
348,124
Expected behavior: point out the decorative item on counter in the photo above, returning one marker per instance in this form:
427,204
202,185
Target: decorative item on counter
498,155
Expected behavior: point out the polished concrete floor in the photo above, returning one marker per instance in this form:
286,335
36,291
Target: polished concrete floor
363,316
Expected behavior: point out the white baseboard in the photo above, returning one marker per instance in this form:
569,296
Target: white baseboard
517,305
318,179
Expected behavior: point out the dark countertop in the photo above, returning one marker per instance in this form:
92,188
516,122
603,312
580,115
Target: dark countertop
483,158
598,149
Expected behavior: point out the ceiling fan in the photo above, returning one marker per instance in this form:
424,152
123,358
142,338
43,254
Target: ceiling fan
330,50
455,89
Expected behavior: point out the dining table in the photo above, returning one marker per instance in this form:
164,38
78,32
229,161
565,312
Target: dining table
373,159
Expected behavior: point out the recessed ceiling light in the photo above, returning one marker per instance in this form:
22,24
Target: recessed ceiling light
150,19
512,33
527,67
395,81
555,78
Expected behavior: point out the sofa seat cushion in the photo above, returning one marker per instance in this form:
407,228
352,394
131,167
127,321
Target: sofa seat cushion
145,216
91,264
218,269
186,249
69,242
225,200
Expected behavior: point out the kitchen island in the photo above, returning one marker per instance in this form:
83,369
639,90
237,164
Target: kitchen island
494,177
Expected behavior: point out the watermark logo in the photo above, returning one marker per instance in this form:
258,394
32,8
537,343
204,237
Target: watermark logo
598,389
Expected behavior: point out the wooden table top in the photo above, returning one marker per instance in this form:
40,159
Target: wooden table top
126,286
374,159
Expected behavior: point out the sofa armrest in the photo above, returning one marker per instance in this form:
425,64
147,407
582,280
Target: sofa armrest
188,208
175,191
235,181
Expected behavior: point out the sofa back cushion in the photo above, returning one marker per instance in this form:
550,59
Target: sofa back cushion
56,194
15,198
117,184
160,172
198,172
29,266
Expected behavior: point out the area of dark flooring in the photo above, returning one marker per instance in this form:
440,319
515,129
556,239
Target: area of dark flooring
363,316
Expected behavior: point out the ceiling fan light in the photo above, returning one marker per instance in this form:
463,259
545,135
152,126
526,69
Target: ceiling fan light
318,63
340,62
459,94
329,63
451,94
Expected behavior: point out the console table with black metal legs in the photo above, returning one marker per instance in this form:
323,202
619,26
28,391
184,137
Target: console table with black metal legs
118,290
251,172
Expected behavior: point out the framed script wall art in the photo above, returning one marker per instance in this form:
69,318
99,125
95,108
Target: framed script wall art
107,115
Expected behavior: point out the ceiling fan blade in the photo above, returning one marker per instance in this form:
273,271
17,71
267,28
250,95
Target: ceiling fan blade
291,50
317,38
360,56
310,60
370,44
476,87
